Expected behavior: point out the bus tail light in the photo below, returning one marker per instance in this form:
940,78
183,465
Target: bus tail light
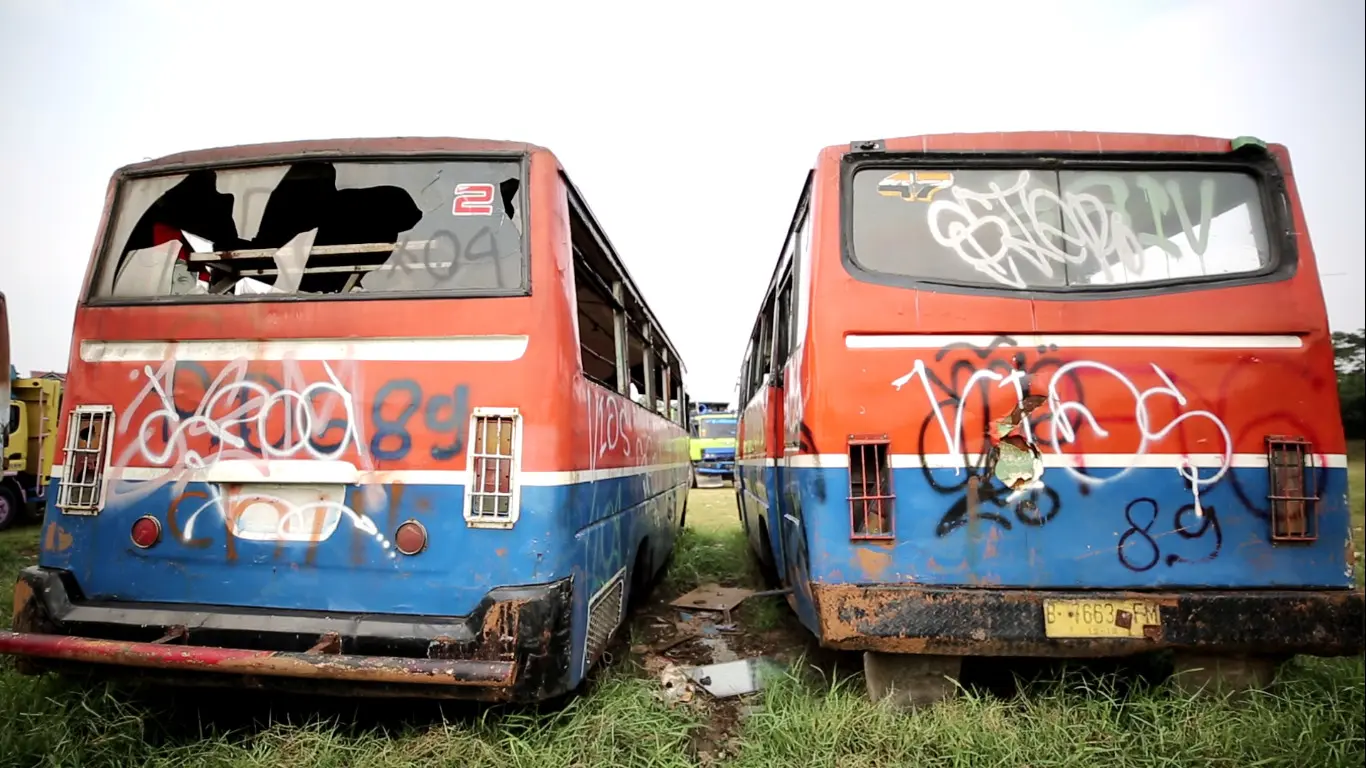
1292,491
410,538
146,532
492,493
87,454
871,501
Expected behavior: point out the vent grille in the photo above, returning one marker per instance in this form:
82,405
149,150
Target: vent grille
1292,490
870,488
495,450
604,616
87,442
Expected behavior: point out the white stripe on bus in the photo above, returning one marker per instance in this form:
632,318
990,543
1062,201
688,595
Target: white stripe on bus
437,349
1079,460
1071,341
406,476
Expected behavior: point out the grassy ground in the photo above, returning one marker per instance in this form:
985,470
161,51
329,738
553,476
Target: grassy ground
818,717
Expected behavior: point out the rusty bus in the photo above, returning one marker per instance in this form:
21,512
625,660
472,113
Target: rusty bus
378,416
1050,394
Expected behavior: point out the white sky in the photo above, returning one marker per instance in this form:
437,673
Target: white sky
689,131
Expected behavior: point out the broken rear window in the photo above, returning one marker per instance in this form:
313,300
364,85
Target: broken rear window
319,228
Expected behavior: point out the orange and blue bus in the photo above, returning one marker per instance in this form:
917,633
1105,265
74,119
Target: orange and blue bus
1050,394
375,416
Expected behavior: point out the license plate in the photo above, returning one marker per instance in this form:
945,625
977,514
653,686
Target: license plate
1099,618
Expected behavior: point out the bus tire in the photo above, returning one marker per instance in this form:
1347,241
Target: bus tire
642,577
692,473
11,506
768,569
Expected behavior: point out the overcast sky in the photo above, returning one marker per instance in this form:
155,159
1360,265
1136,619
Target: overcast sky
652,112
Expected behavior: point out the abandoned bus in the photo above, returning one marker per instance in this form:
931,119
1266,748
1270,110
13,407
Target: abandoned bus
356,416
712,447
1050,394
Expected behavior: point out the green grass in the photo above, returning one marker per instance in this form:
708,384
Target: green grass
813,719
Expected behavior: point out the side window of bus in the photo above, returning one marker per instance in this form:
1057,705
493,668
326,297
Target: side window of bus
782,331
593,281
619,348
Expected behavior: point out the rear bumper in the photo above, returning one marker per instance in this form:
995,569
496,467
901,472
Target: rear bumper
714,467
1010,622
515,646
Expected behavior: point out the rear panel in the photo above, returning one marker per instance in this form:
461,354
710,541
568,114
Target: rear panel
279,444
1071,373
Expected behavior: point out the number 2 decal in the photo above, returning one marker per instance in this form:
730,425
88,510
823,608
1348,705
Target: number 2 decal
473,200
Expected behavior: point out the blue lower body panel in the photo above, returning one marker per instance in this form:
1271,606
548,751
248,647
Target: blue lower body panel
1140,530
585,535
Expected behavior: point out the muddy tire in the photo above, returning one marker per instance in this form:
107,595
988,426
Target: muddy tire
907,681
11,508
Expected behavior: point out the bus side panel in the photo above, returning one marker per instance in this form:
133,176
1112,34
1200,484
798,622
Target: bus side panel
754,467
626,496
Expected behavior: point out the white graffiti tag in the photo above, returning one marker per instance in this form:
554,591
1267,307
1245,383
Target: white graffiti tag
231,408
1030,224
1061,410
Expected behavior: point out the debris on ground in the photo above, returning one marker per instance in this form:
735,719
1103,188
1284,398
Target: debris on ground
713,597
676,688
733,678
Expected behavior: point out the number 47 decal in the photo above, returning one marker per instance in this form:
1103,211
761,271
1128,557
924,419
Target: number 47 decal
473,200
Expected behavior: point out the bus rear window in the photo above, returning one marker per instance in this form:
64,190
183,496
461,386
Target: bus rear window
1032,229
317,227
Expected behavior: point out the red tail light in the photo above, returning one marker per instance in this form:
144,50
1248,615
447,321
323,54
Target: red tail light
410,538
146,531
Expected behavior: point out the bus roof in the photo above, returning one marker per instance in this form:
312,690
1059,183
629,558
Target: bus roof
360,147
1043,141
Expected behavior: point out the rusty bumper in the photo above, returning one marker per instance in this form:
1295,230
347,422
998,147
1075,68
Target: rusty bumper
515,646
1010,622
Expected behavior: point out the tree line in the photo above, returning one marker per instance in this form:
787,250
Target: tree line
1349,351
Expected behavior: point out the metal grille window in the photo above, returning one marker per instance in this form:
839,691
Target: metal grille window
87,444
870,488
1292,490
491,497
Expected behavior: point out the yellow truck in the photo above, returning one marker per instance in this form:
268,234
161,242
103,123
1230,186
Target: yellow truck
28,434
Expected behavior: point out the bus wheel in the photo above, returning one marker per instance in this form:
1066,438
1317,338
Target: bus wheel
642,581
10,507
768,570
909,681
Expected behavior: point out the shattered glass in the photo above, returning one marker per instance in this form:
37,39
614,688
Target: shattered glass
316,227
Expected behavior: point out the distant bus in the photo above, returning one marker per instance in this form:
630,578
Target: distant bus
357,417
1050,394
712,447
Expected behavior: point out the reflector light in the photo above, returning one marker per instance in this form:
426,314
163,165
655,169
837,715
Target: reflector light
146,531
410,538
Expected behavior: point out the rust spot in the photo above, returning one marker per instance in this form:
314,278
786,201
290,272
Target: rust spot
993,536
873,561
56,539
327,643
23,597
395,499
501,552
1124,619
